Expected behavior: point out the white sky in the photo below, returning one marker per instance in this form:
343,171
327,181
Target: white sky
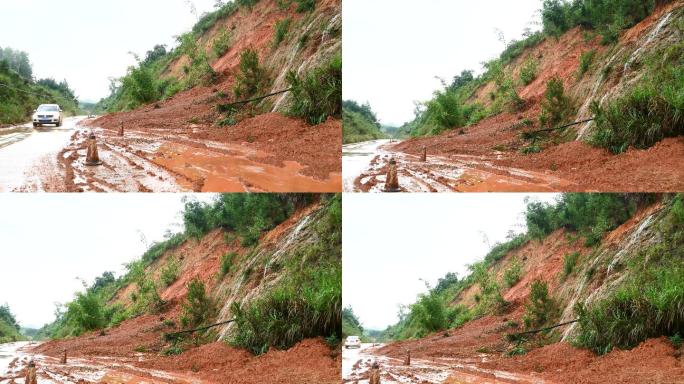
390,242
86,41
393,49
48,240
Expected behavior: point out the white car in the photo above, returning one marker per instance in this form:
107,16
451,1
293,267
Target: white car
352,342
48,114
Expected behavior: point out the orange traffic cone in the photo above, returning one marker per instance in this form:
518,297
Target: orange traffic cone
92,158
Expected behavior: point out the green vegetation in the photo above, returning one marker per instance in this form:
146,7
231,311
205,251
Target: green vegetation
541,309
307,302
569,262
556,106
221,43
513,273
649,111
607,17
529,72
650,302
9,328
198,308
318,95
226,263
359,123
282,27
20,94
351,326
252,78
586,59
169,273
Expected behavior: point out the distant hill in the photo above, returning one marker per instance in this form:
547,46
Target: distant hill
359,123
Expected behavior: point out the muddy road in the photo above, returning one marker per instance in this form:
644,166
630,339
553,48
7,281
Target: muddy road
356,364
149,160
365,167
14,359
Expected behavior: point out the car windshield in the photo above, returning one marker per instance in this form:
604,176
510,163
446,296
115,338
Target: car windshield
48,108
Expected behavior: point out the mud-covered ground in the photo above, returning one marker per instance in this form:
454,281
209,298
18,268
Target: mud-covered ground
132,353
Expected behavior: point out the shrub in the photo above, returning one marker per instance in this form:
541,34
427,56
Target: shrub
491,299
500,250
528,72
221,43
444,111
252,78
169,273
305,5
140,85
226,263
648,305
569,262
85,313
198,308
513,273
541,308
282,27
586,58
306,303
318,94
430,312
556,106
650,111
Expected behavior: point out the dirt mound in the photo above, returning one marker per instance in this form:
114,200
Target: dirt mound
653,361
308,362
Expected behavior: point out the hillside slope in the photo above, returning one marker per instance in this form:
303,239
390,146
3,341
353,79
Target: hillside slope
507,116
292,272
624,285
244,50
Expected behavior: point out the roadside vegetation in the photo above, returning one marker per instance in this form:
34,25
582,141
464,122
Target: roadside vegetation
317,94
650,301
9,328
351,326
21,93
359,123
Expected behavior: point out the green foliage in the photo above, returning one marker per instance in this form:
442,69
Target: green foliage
500,250
252,78
444,111
357,127
226,263
140,84
351,326
513,273
198,308
586,59
282,27
608,17
221,43
17,61
306,303
650,111
556,106
86,313
491,300
528,72
318,95
9,328
650,300
169,273
158,249
541,309
569,262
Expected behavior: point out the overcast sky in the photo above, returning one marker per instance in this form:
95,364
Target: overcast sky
393,241
48,240
86,42
393,49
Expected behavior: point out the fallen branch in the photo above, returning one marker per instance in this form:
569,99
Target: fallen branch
529,133
169,336
517,335
229,105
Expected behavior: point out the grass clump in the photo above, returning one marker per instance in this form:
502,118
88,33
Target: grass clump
513,273
198,308
226,263
317,95
569,262
650,111
170,271
252,78
586,59
221,43
282,27
556,106
541,309
529,72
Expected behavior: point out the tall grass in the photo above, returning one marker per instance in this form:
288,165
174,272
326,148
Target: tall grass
252,78
541,308
198,308
318,94
282,27
556,106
